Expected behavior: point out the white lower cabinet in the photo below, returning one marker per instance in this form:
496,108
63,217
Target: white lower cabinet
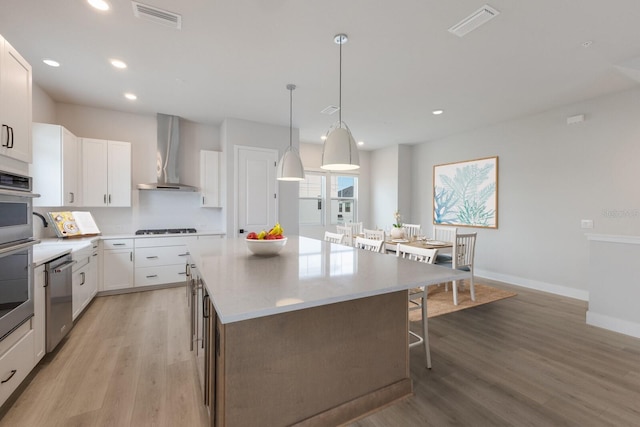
117,258
17,359
160,261
85,278
39,319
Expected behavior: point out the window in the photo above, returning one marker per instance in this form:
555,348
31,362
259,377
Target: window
343,199
318,190
311,199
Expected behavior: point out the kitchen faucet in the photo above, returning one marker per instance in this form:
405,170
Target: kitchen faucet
44,220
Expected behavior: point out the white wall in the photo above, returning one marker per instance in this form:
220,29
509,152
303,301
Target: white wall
551,176
311,155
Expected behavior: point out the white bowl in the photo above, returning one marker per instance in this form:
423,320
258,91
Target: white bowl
266,247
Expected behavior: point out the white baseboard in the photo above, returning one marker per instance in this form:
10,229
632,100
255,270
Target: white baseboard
613,324
565,291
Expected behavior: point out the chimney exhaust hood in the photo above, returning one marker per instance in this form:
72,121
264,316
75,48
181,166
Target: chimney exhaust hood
168,149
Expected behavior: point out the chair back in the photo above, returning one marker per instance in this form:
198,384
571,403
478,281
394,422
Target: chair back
356,228
411,231
425,255
373,234
345,230
333,237
369,244
444,233
464,250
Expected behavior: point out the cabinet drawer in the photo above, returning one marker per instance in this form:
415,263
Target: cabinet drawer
166,255
154,242
16,365
118,244
148,276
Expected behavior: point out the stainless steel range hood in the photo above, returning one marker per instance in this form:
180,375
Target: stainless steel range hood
168,150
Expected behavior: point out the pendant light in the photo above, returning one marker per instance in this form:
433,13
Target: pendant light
290,166
340,152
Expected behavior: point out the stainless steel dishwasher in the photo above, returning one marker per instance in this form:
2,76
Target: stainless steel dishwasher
58,299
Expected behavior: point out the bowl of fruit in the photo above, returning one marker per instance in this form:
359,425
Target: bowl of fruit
266,242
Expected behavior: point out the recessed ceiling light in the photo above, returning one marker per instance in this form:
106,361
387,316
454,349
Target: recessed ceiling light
99,4
437,112
130,96
323,137
588,43
51,62
360,142
118,64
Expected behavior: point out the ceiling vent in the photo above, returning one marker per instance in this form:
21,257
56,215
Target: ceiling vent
473,21
330,110
159,16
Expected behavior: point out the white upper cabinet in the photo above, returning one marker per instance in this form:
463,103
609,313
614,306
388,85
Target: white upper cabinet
15,104
106,173
56,166
210,179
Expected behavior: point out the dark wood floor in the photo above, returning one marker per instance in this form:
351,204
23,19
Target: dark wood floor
529,360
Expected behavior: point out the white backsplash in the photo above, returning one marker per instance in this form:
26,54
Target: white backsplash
151,209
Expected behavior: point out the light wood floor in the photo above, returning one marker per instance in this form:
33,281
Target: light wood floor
525,361
125,363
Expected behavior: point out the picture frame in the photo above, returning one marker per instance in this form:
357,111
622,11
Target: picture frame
465,194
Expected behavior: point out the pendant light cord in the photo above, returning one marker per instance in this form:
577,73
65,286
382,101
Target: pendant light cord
290,117
340,85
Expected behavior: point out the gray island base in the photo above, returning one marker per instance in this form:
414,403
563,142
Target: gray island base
316,336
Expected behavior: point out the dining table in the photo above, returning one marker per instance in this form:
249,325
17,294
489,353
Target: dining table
391,245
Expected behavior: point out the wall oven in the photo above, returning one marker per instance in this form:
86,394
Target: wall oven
16,251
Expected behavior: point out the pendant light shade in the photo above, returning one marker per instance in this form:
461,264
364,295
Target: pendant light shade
340,151
290,166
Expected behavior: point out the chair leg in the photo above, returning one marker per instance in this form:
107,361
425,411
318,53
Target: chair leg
425,330
455,292
473,290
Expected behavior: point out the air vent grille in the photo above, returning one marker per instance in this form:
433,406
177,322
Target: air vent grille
330,110
156,15
473,21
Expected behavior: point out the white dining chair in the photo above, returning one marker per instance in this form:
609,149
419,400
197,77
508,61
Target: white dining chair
462,259
345,230
356,228
373,234
444,233
369,244
411,231
418,296
333,237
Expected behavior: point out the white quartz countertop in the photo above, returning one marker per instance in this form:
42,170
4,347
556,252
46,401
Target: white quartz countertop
306,273
50,249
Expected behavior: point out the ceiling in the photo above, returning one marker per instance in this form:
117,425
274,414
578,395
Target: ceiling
234,58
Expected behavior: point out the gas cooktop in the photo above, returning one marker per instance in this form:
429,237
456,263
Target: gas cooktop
167,231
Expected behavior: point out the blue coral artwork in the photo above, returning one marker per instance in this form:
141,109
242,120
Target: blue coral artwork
466,193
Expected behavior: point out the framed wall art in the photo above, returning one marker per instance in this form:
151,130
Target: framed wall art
466,193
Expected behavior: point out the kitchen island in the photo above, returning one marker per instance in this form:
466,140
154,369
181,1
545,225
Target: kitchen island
317,335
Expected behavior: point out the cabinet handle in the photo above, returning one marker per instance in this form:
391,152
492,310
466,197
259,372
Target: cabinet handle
118,244
131,256
95,254
152,276
83,277
203,200
104,198
182,273
152,257
10,144
185,254
72,197
13,372
7,144
109,198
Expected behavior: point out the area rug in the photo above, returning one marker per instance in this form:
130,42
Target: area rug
440,302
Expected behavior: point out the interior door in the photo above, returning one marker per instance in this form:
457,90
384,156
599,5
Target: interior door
256,185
